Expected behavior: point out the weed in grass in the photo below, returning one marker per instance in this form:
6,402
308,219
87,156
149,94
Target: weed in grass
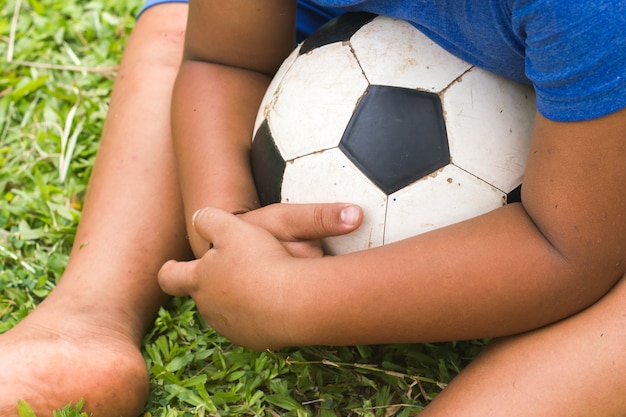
69,410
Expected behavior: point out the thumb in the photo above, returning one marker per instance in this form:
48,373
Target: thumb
292,222
178,278
316,221
214,224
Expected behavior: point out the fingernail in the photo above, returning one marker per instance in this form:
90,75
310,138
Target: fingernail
350,215
195,215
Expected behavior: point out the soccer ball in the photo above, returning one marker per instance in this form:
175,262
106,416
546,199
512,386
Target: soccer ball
368,110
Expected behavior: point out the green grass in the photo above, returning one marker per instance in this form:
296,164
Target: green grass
58,60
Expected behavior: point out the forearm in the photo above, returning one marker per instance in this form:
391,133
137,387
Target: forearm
214,107
515,269
490,276
231,51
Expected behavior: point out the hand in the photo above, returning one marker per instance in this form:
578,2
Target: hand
242,283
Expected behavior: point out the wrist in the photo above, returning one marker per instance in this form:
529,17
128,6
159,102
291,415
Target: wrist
307,295
296,311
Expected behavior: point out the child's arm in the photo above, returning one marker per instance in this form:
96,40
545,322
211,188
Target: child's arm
511,270
514,269
232,50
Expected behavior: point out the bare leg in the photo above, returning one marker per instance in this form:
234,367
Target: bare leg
576,367
84,339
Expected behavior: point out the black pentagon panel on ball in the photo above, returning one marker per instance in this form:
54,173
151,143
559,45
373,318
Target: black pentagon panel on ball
267,166
396,136
338,29
515,195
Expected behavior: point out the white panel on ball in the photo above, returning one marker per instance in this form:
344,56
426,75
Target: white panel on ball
488,119
411,60
334,95
329,176
443,198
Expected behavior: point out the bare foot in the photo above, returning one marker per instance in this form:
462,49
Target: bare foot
52,359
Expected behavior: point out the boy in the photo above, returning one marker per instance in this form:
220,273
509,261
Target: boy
87,330
566,240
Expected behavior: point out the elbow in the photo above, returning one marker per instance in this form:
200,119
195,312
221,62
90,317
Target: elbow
589,255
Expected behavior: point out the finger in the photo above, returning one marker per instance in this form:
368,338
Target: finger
292,222
178,278
214,224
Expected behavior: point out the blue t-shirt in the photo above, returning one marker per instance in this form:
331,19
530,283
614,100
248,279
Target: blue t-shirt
572,51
